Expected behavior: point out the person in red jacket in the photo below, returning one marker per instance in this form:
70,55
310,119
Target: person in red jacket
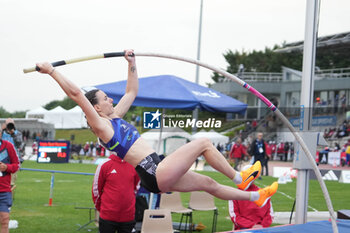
9,164
245,215
238,151
113,192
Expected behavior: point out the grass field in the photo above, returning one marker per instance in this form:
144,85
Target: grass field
81,135
70,191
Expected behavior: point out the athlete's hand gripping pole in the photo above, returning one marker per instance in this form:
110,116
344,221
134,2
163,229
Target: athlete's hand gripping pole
75,60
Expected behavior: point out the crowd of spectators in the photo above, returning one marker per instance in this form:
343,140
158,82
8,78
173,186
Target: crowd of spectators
322,155
89,149
282,151
334,106
342,130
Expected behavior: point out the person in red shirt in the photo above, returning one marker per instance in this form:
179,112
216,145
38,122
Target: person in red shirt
245,214
268,148
113,192
254,123
9,164
238,151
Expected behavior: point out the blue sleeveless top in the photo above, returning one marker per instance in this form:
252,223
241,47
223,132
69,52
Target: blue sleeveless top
124,137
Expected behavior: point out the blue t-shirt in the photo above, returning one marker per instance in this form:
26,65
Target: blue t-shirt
124,137
8,137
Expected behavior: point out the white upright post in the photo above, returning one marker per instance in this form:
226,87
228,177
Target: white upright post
307,90
195,112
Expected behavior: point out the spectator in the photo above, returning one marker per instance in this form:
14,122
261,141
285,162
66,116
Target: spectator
343,103
336,102
14,136
102,151
248,126
291,149
286,151
86,148
34,148
347,151
254,124
94,151
38,136
237,153
258,150
27,135
11,134
138,120
336,147
92,146
98,149
268,147
78,148
24,137
113,192
273,148
133,119
280,150
245,214
9,164
343,130
318,101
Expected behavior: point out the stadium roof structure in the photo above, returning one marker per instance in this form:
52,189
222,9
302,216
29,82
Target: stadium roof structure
335,41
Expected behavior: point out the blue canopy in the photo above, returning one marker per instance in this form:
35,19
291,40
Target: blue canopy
167,91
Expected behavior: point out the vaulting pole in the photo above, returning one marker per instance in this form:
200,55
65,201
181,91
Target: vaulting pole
241,83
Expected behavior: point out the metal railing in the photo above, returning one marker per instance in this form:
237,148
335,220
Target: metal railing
334,73
278,77
257,76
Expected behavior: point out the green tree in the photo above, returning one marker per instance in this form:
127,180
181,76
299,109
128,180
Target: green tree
262,61
18,114
269,61
66,103
4,113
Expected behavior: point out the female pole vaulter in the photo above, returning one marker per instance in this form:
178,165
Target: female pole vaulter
170,174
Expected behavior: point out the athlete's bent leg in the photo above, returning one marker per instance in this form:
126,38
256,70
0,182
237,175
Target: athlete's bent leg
179,162
192,181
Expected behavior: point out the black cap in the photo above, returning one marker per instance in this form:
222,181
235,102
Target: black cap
10,126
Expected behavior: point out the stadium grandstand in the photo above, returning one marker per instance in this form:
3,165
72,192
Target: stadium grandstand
331,89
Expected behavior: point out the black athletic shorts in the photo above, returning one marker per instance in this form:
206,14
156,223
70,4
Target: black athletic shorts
146,170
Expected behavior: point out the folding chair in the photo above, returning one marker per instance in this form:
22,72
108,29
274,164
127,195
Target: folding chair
203,201
92,219
172,201
157,221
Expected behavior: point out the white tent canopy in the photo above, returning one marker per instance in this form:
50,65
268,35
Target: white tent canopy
38,113
171,139
215,137
61,118
74,118
56,117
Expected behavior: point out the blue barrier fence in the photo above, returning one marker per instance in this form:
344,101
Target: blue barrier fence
54,171
53,178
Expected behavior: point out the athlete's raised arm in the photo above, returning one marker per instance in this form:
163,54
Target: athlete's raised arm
132,86
96,122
